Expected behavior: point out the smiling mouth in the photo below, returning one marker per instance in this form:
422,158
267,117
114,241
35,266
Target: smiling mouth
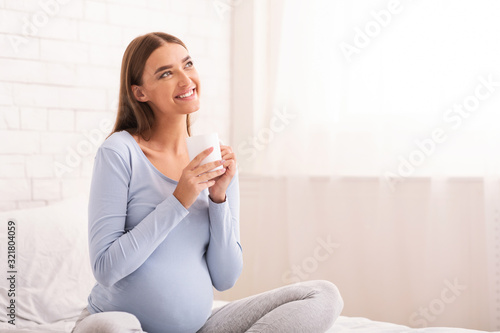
186,95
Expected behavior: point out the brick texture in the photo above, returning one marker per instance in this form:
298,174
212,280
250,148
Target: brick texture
59,78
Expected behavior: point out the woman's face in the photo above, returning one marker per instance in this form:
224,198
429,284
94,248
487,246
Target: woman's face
170,81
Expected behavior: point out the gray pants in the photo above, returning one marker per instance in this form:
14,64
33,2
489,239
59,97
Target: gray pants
311,306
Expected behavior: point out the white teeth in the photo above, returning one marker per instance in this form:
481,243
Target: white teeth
187,95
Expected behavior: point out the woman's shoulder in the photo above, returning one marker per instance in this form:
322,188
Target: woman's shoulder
120,142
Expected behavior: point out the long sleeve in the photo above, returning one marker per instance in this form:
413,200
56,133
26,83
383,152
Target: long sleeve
115,252
224,253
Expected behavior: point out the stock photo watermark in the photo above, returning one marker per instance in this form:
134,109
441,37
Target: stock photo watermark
11,271
223,7
309,265
38,20
74,156
363,37
453,117
429,313
249,148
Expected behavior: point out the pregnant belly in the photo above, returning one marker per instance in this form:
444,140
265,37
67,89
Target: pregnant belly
167,298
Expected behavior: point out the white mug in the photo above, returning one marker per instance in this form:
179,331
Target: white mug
198,143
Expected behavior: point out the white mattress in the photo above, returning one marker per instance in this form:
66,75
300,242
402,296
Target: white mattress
364,325
342,325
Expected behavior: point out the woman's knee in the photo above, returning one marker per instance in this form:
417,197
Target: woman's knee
329,301
109,322
330,293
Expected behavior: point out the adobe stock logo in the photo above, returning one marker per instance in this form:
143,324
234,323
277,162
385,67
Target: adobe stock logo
249,148
223,7
310,264
453,117
372,29
427,314
48,8
74,156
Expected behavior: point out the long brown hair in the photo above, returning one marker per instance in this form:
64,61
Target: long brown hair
134,116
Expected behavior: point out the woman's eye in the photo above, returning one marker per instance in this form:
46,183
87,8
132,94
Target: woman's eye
166,74
189,64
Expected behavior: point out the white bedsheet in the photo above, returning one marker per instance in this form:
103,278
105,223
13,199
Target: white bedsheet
364,325
342,325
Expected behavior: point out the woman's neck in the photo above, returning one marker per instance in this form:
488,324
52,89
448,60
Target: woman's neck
168,135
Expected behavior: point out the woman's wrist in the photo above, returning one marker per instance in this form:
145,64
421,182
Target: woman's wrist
217,198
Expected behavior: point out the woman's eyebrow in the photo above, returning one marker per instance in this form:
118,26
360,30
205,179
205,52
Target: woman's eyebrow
162,68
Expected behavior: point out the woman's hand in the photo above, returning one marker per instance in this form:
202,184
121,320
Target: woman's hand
218,191
195,178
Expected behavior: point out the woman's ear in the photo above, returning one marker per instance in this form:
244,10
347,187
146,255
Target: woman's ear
139,94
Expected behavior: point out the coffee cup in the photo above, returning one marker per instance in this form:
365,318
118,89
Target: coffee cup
198,143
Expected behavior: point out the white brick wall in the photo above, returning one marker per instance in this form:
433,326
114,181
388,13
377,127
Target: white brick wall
59,78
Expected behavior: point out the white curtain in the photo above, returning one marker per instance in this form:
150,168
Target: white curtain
419,258
380,134
363,113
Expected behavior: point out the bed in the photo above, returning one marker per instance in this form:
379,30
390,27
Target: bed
343,324
51,276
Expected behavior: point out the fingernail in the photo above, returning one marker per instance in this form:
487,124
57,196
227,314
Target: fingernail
222,161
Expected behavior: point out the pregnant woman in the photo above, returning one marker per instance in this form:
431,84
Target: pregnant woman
164,230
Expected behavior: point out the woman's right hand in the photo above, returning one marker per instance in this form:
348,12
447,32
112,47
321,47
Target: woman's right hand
195,178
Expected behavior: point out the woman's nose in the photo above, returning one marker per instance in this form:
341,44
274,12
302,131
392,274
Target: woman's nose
184,80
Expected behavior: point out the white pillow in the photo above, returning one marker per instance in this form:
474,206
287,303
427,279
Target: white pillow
53,276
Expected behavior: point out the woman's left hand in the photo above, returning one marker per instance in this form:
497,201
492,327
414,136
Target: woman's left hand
218,190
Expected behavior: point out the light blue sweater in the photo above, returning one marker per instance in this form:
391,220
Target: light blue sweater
151,256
